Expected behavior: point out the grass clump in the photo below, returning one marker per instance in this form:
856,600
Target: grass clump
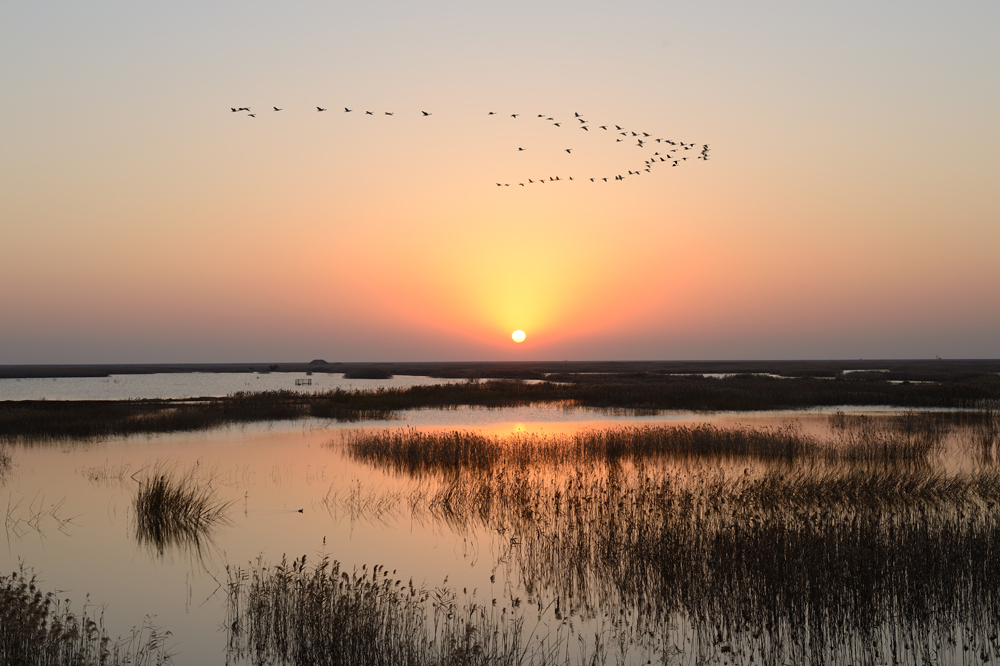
38,629
175,509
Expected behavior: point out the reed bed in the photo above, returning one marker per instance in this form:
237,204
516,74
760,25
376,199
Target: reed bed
176,509
39,629
872,546
291,613
419,453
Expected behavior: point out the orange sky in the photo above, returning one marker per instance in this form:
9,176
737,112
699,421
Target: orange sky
847,211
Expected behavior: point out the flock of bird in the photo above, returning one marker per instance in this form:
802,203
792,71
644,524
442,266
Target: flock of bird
673,152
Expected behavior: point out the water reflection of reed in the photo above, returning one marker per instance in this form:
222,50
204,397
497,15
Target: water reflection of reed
5,461
759,545
177,510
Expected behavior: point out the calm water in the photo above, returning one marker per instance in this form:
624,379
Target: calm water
192,385
69,514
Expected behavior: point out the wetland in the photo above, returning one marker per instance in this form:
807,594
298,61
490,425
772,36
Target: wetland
571,519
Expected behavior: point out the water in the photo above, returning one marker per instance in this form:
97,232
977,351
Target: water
192,385
69,513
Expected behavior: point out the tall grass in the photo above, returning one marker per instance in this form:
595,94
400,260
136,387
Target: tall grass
176,509
39,629
291,613
415,452
868,547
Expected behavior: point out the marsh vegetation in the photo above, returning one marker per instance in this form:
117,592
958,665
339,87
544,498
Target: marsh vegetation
876,545
35,421
176,509
40,629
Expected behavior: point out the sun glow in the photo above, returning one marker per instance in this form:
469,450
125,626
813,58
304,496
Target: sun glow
518,336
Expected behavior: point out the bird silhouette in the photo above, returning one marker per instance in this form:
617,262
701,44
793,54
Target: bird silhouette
569,150
346,110
320,108
369,113
388,113
234,110
492,113
252,115
584,127
520,148
513,115
425,113
277,109
244,108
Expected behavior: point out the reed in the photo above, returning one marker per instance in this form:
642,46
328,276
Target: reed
176,509
865,548
418,453
39,629
291,613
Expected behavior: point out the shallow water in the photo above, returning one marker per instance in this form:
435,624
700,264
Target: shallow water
193,385
69,513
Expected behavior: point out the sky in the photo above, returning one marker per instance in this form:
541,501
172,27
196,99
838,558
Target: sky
848,209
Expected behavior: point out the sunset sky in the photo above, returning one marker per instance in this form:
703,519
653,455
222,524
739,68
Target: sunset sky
850,208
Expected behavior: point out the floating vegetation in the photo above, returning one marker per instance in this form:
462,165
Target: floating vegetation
291,613
39,629
176,509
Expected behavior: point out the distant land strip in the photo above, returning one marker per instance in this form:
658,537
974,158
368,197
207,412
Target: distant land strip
897,369
629,392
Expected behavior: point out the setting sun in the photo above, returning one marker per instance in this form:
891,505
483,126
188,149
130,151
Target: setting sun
518,336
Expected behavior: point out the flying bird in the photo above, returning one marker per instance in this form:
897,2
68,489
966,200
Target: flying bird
277,109
425,113
513,115
346,110
388,113
569,150
520,148
369,113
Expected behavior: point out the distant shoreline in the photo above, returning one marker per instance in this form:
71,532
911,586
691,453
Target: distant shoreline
517,369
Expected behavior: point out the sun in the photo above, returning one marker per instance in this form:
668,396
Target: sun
518,336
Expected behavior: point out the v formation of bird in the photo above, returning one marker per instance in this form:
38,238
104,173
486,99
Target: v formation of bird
674,153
